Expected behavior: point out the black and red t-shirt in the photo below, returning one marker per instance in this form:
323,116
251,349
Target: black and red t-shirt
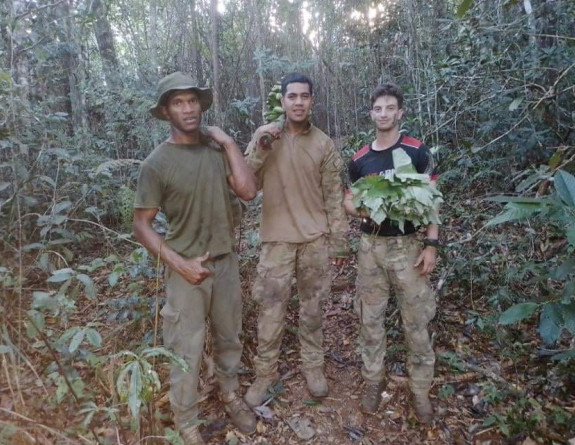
367,161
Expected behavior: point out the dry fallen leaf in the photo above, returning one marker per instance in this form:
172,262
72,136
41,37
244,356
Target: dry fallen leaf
302,427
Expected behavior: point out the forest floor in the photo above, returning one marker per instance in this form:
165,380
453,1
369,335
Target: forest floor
480,388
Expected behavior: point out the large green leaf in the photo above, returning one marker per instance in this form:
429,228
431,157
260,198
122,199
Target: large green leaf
121,381
58,276
568,311
564,270
550,322
373,203
522,199
77,340
402,162
515,104
565,355
515,211
59,207
161,351
37,323
114,277
517,313
565,186
43,300
136,385
570,234
89,288
463,8
94,337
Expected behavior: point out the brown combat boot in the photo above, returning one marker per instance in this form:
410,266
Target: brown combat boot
258,392
372,397
191,436
240,414
423,407
316,381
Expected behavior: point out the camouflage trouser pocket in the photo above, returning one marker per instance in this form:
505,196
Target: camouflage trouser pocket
357,305
259,283
271,285
274,272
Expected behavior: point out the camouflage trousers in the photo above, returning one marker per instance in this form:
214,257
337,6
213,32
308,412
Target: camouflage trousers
184,322
272,290
385,263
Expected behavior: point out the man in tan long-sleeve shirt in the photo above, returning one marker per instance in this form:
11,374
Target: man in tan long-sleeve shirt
303,224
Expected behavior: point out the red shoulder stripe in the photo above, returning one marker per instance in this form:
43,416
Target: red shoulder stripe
412,142
361,152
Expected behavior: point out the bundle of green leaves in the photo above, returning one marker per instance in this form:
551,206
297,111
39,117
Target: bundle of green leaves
274,111
399,195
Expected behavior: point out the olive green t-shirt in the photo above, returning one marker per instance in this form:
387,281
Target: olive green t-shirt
189,184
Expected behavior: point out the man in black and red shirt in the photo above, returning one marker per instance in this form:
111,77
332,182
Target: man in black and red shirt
389,258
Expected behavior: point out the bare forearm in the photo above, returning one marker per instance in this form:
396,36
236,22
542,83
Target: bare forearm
243,183
156,244
432,231
350,208
256,157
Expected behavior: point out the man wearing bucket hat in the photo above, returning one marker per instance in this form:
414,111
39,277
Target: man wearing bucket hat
188,177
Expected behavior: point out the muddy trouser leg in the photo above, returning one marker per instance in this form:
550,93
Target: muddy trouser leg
417,305
314,283
272,291
372,287
226,321
183,329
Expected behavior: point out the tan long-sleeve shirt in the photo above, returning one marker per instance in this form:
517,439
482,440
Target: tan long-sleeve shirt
303,191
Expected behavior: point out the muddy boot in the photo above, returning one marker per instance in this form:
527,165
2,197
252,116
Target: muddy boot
240,414
423,408
316,381
191,435
258,392
371,397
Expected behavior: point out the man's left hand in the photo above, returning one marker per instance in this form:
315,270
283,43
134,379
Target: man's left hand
217,134
426,259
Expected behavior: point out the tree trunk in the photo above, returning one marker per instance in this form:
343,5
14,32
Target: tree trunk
19,64
196,55
154,37
532,30
106,47
259,47
72,65
215,61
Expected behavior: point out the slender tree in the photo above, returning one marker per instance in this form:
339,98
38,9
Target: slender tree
214,40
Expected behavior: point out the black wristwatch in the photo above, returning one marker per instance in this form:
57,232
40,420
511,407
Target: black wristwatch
431,242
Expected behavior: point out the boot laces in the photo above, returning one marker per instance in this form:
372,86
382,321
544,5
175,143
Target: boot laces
235,405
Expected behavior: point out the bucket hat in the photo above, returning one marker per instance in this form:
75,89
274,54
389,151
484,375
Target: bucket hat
179,81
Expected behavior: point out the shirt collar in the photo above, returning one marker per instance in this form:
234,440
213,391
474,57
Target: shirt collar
307,130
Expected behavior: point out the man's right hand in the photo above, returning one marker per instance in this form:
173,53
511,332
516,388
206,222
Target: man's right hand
272,129
193,271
